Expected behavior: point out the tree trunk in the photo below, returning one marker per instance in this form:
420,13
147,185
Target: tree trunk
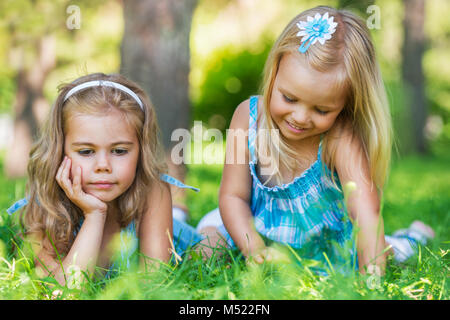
412,72
30,107
155,54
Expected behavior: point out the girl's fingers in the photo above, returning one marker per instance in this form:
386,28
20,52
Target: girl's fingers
65,182
258,259
71,185
264,255
58,173
65,173
77,180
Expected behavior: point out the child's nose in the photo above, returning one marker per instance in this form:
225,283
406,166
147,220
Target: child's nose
301,115
103,163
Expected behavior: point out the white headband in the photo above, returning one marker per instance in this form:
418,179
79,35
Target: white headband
103,83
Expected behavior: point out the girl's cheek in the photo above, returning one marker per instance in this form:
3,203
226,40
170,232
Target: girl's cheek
274,112
329,123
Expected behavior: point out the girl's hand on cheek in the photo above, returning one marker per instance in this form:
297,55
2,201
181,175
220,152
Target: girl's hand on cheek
86,202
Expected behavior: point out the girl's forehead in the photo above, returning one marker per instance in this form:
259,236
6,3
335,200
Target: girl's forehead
100,127
297,76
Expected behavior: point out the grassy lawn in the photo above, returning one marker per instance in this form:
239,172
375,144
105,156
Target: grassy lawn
418,188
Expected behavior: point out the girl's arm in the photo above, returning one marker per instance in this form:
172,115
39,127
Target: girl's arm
156,225
83,255
235,188
363,203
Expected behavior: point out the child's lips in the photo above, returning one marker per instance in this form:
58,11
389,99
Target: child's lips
295,128
103,184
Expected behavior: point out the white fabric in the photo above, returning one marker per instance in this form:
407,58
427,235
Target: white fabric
403,248
179,214
211,219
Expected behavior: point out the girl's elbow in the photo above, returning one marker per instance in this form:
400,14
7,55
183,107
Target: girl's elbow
226,201
362,208
224,198
222,202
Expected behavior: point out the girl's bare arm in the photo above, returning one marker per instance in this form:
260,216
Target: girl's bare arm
363,202
235,187
84,252
82,256
156,226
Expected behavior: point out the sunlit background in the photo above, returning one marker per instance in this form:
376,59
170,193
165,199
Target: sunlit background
229,42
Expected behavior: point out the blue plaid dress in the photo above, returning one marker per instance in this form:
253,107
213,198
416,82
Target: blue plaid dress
307,214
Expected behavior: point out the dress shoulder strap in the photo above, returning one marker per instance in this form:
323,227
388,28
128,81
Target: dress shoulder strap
319,151
17,205
252,126
177,183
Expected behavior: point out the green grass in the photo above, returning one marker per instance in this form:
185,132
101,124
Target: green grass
418,188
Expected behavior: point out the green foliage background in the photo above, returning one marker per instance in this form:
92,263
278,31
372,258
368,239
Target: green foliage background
243,59
226,66
229,44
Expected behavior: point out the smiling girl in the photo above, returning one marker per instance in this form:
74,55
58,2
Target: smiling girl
319,187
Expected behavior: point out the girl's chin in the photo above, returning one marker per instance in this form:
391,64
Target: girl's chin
103,196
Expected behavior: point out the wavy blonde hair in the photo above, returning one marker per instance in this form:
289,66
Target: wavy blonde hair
50,214
351,52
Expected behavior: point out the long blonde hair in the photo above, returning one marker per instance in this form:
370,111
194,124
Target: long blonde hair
350,50
50,214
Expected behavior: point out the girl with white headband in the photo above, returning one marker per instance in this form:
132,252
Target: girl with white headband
96,178
318,153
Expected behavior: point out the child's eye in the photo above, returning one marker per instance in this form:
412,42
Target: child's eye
287,99
120,151
85,152
321,111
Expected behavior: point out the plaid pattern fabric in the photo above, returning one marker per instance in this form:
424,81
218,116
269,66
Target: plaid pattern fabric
308,213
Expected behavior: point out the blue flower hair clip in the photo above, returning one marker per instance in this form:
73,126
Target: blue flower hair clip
320,28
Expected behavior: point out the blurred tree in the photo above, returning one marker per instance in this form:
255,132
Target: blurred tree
31,56
155,54
29,104
32,29
413,76
412,120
